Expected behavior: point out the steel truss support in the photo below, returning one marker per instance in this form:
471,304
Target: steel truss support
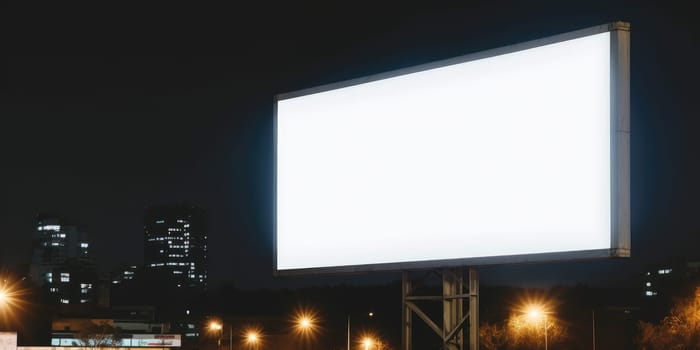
454,318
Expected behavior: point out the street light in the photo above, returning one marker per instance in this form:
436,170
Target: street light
253,338
305,325
10,298
3,298
536,312
370,314
218,326
367,342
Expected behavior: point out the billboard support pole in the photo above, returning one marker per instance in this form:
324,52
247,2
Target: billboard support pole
454,320
407,314
473,309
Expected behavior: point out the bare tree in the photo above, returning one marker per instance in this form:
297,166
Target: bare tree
492,336
680,330
99,334
524,333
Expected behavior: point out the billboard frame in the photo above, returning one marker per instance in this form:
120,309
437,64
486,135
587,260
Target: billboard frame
620,236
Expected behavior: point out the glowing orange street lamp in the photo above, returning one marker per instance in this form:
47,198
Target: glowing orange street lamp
535,313
9,298
305,325
253,338
367,342
219,327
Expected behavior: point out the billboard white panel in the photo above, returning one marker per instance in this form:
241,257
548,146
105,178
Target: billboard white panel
479,159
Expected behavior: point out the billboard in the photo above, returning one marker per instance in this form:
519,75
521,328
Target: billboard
515,154
128,340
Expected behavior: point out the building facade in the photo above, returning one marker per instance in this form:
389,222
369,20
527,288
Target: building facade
61,260
175,248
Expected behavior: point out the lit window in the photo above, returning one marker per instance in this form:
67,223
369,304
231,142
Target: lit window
53,289
665,271
160,221
83,301
65,277
650,293
83,245
49,277
65,301
648,284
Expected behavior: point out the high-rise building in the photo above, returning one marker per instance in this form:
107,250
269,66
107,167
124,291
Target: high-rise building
61,260
56,241
175,247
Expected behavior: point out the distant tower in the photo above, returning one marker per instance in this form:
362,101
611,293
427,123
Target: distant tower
61,260
175,246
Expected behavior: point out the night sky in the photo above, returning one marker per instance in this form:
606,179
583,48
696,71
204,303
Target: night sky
107,109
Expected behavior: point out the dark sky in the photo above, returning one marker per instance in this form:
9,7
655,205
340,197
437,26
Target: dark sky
107,109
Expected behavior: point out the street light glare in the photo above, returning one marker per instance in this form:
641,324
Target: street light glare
252,337
11,298
535,312
215,326
305,321
306,324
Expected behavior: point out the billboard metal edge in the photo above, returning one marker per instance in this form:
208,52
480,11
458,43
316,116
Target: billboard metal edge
620,138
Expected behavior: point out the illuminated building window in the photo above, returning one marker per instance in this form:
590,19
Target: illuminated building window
49,277
648,284
83,245
65,301
65,277
665,271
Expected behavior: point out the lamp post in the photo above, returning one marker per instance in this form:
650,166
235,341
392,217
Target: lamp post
216,326
536,312
370,314
593,327
305,324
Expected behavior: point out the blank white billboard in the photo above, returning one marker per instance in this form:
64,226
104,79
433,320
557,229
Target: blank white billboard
503,156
